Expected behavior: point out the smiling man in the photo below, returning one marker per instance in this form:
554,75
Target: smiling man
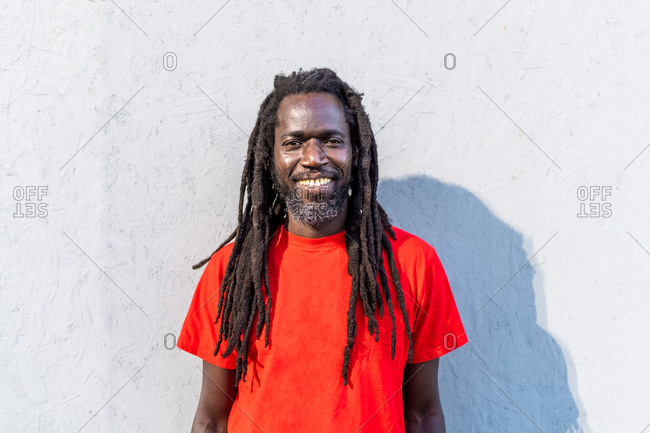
315,194
355,312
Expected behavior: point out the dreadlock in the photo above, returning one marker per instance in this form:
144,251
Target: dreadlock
261,211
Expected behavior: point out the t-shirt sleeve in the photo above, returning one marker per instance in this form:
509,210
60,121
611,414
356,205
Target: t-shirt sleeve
199,334
437,328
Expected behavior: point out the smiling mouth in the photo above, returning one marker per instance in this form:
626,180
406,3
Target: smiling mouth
315,182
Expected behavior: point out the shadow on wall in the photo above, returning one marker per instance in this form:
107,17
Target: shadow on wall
511,376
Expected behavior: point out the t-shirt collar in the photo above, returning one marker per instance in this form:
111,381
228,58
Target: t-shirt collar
335,240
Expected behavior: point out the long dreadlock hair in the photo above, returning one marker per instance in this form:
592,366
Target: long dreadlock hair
261,211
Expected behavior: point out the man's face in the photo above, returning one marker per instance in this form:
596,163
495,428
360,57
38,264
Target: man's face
313,157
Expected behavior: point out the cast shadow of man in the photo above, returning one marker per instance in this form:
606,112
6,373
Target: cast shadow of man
512,376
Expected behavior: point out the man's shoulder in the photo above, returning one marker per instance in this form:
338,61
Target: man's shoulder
219,259
409,247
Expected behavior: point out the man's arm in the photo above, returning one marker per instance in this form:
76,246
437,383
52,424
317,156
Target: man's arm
217,397
422,409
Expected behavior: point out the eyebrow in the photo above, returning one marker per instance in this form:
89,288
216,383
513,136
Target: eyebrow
322,133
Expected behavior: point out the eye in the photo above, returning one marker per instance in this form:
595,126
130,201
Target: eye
291,143
334,141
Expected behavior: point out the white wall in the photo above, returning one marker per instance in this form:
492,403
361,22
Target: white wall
484,161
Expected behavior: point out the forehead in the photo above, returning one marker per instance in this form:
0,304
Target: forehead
310,110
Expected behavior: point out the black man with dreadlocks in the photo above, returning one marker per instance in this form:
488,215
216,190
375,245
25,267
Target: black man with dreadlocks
355,312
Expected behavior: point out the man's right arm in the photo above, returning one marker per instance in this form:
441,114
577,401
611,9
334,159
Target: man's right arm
217,397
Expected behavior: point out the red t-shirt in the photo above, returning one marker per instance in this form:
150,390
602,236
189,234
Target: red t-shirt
295,384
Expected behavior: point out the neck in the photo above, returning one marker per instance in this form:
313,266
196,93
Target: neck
333,226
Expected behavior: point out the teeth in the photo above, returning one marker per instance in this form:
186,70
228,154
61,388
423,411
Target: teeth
315,182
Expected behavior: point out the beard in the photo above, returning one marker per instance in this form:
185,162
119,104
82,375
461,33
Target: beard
312,208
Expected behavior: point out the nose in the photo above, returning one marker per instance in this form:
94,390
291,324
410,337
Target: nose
313,154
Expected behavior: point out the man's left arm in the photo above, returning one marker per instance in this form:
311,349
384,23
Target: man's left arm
422,408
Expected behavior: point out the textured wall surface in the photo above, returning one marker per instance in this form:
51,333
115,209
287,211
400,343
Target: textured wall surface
513,136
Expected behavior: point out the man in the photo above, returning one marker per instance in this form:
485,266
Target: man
314,255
